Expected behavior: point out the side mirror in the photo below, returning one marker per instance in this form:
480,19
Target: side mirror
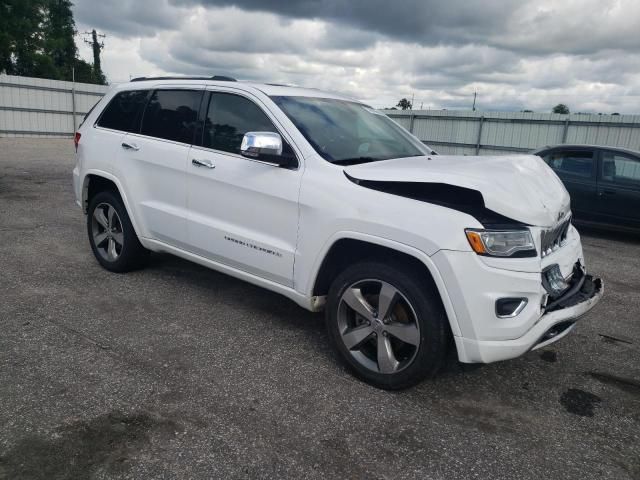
266,146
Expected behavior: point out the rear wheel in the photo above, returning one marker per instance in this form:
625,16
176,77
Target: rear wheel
386,324
113,240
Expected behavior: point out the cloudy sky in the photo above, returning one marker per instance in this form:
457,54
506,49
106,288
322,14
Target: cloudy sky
517,54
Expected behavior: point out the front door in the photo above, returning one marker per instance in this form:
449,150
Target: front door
242,213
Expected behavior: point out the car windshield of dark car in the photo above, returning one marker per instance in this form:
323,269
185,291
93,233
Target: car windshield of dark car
346,132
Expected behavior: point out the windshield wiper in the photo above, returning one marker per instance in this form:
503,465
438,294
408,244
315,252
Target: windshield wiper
356,160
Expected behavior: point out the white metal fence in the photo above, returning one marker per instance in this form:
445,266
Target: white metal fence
490,133
39,107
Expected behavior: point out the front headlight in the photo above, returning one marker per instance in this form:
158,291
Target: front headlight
501,243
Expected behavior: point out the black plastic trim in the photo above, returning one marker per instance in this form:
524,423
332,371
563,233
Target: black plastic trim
219,78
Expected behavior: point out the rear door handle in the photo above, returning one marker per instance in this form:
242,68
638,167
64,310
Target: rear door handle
202,163
607,192
130,146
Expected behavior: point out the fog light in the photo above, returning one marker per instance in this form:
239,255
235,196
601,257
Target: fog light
553,281
510,307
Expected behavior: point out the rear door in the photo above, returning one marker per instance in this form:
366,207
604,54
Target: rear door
619,188
122,115
577,170
154,162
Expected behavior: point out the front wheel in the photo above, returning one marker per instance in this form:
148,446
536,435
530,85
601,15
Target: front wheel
387,325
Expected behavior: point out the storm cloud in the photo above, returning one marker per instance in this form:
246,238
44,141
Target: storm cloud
516,53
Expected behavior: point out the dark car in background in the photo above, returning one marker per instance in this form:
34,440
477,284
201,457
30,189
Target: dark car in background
604,183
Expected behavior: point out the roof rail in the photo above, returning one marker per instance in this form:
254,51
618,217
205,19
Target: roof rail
220,78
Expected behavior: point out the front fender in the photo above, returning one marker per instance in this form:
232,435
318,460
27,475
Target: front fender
393,245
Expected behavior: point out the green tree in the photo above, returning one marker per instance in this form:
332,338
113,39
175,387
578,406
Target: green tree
84,72
560,108
404,104
37,40
58,31
20,37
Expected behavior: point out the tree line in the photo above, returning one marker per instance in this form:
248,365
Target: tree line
37,40
561,108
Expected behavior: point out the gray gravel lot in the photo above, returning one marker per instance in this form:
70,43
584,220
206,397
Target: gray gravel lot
177,371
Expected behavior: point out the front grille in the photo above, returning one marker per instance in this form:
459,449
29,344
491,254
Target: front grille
554,238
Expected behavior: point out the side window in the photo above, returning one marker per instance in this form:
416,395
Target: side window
124,111
620,168
577,164
228,118
172,115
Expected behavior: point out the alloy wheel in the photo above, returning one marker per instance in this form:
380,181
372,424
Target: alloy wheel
106,229
378,326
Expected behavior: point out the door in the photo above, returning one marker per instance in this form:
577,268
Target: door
577,170
154,163
242,212
619,188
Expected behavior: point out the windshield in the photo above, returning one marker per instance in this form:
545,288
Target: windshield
347,132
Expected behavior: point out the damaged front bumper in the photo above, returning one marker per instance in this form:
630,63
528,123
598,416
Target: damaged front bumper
563,312
557,321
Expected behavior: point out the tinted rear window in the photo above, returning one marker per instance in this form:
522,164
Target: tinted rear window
124,111
172,115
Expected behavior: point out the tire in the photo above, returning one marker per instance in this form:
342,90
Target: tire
363,340
113,240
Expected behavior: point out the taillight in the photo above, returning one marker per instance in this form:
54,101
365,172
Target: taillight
76,139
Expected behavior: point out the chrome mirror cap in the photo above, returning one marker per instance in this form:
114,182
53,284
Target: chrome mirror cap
255,144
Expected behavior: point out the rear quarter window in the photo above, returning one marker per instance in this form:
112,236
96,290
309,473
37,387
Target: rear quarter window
124,111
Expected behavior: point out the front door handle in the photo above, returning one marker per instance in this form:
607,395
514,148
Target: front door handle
607,192
130,146
202,163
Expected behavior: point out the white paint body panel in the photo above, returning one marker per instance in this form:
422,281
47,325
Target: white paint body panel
274,227
244,213
521,187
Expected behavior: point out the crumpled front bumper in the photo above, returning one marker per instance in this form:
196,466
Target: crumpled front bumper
552,326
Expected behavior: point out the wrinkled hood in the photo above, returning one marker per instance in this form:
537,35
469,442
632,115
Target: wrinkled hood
521,187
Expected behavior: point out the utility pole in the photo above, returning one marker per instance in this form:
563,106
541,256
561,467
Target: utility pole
475,94
412,95
96,46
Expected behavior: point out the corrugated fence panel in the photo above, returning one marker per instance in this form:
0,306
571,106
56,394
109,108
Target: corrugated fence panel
464,132
36,106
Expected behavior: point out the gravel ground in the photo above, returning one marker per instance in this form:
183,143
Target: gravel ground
177,371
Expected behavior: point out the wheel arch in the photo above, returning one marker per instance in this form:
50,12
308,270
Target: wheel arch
346,249
97,181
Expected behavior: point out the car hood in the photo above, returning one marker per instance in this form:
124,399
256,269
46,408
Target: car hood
521,187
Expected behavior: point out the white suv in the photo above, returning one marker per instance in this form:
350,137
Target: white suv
330,203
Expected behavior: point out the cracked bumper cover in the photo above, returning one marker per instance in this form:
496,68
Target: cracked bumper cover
551,327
